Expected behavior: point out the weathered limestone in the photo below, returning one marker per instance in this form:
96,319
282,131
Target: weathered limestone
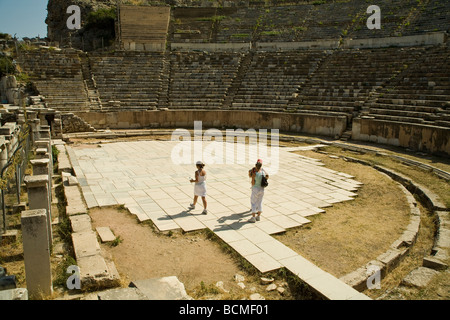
419,277
75,204
434,263
38,198
105,234
63,160
144,28
14,294
37,253
80,223
40,166
121,294
166,288
3,152
85,244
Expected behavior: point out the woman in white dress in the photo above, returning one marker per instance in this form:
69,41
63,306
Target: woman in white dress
200,186
257,190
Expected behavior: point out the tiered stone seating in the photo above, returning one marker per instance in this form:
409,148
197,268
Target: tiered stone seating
57,76
201,80
330,20
346,78
273,78
302,22
403,18
308,21
239,26
133,78
435,16
197,24
421,94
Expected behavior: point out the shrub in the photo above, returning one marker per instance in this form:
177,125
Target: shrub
6,66
102,19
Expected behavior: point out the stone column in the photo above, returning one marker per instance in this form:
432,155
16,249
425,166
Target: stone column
44,132
43,144
41,167
4,154
38,198
36,253
31,116
35,128
46,143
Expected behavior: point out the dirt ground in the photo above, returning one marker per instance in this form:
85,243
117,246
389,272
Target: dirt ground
192,257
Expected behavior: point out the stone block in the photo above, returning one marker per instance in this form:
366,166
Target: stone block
105,234
97,273
122,294
414,224
377,264
36,253
14,294
443,238
356,279
419,277
408,237
80,223
331,288
72,181
434,263
85,244
391,258
166,288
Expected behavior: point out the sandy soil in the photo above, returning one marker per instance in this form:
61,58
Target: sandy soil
192,257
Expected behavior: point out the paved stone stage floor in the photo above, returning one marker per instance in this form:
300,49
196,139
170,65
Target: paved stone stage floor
145,177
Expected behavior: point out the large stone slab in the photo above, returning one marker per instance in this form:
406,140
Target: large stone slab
166,288
97,273
85,244
75,204
105,234
121,294
14,294
419,277
80,223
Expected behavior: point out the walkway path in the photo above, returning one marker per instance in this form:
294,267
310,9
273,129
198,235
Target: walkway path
142,176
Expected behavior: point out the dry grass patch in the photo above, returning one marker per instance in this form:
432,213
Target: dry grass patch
422,247
437,185
352,233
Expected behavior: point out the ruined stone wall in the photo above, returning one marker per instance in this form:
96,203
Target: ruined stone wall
418,137
311,124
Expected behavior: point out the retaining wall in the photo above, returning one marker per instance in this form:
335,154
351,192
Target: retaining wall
413,136
310,124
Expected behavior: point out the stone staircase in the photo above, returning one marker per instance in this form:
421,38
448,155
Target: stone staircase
57,75
163,99
243,68
432,15
89,81
420,95
345,80
201,80
272,79
128,79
